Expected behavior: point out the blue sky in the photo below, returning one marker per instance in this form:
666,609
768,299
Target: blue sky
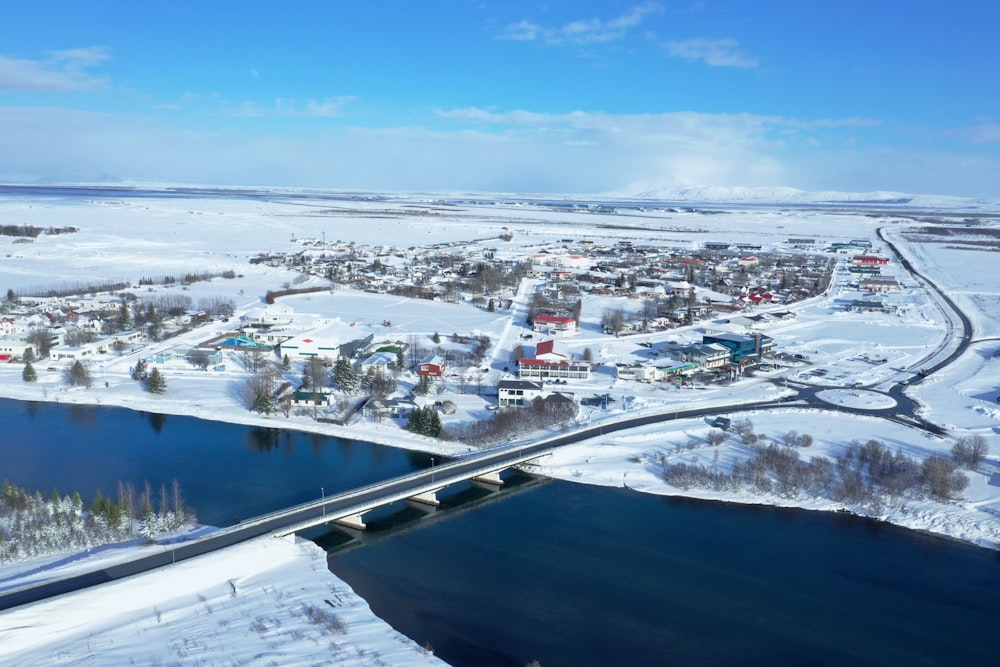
461,95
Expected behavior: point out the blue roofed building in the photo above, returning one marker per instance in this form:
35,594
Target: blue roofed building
743,348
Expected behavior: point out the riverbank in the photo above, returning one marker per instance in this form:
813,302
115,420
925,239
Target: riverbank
634,459
267,600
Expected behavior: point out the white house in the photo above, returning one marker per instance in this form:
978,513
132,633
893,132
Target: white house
378,362
14,348
552,325
517,393
271,315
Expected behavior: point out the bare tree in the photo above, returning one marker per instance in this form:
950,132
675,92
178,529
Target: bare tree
970,450
941,478
40,340
178,499
381,384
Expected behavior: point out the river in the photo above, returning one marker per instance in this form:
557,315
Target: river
562,573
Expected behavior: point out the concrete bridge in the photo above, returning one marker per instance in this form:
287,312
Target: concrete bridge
419,488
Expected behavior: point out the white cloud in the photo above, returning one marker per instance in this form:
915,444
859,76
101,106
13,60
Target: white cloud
585,31
714,52
484,150
283,107
61,71
984,133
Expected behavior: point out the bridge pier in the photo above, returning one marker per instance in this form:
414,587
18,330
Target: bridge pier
485,486
354,521
425,498
489,478
421,506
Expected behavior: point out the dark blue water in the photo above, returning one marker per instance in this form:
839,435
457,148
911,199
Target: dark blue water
561,573
227,472
573,575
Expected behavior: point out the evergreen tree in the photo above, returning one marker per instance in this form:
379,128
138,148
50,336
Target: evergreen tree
78,375
155,329
29,374
433,423
265,403
424,421
286,363
491,307
155,383
424,386
345,376
125,317
436,338
416,421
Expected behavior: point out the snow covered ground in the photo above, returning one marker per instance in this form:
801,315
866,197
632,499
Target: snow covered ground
266,619
267,601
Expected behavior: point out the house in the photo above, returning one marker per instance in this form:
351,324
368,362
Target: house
517,393
380,408
273,314
311,398
552,325
750,321
551,350
75,352
379,362
761,319
15,348
433,366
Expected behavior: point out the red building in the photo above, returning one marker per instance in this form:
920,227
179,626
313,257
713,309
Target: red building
431,367
869,260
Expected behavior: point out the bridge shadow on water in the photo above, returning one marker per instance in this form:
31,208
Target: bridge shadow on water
398,518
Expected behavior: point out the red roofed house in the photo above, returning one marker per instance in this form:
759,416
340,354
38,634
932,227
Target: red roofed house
552,325
550,350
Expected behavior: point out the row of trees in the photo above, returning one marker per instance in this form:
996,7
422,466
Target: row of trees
866,474
32,525
509,423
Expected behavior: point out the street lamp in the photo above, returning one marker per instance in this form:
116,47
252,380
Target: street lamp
432,470
322,496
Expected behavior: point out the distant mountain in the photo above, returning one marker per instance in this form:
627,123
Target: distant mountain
784,195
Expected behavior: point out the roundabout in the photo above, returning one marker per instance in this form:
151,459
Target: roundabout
857,399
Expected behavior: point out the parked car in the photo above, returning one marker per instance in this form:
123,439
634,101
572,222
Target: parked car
721,422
